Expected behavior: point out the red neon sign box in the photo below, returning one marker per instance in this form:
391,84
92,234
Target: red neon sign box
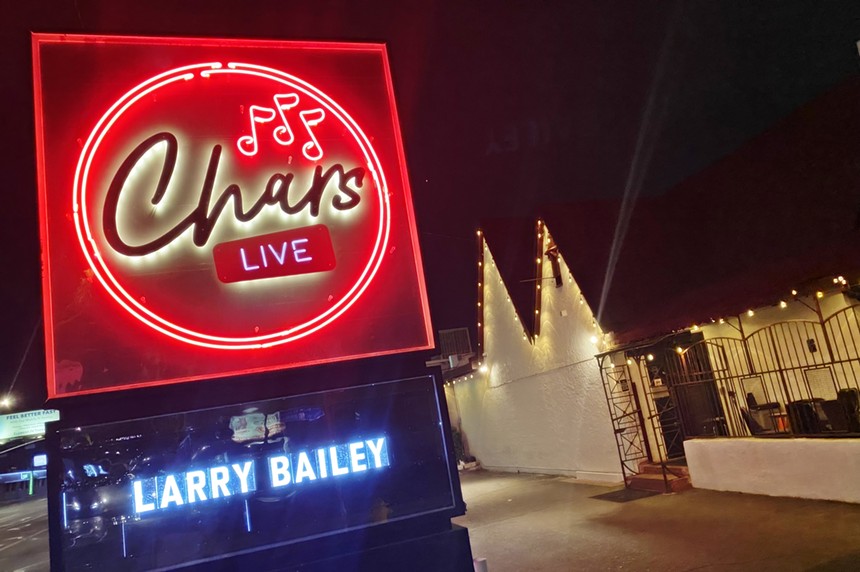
216,207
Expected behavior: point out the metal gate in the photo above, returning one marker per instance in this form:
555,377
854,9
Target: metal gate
626,416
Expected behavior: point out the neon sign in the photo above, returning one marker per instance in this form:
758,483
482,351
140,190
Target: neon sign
251,177
206,484
202,220
163,492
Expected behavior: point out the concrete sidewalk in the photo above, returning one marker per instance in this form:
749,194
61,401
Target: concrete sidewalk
530,523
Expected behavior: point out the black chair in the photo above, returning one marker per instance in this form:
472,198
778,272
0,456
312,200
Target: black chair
753,425
836,414
850,400
766,411
805,417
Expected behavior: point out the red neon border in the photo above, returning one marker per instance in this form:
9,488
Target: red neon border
50,355
176,331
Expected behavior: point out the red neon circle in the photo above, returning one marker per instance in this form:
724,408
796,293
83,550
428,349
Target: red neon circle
113,287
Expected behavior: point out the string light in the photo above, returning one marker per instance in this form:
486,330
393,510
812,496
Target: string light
794,292
594,340
722,321
479,233
695,328
783,304
679,349
629,361
819,294
650,357
750,313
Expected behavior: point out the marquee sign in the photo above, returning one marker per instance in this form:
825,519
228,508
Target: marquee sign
213,207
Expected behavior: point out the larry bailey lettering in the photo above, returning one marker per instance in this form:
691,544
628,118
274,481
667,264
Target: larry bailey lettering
175,490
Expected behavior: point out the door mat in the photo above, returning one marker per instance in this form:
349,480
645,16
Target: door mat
625,495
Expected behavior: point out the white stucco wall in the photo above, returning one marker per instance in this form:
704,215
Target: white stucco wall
827,469
540,407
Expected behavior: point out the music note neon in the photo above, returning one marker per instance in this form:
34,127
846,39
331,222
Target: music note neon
283,102
310,118
248,144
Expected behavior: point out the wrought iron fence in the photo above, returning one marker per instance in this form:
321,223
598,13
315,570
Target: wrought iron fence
798,377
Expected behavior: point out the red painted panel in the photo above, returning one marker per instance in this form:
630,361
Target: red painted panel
287,253
162,162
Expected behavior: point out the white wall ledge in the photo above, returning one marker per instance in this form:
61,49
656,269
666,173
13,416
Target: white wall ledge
826,469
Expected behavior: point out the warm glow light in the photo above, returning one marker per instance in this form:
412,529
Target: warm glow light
783,304
6,402
750,313
593,339
679,349
483,368
479,233
722,321
650,357
819,294
695,328
629,361
794,292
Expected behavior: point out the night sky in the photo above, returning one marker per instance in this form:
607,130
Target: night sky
502,108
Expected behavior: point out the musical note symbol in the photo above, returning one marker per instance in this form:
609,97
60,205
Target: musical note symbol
310,118
283,102
247,144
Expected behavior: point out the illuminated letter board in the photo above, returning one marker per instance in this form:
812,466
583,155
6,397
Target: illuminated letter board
217,207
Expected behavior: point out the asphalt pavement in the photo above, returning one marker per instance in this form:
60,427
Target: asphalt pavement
538,523
533,523
24,536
